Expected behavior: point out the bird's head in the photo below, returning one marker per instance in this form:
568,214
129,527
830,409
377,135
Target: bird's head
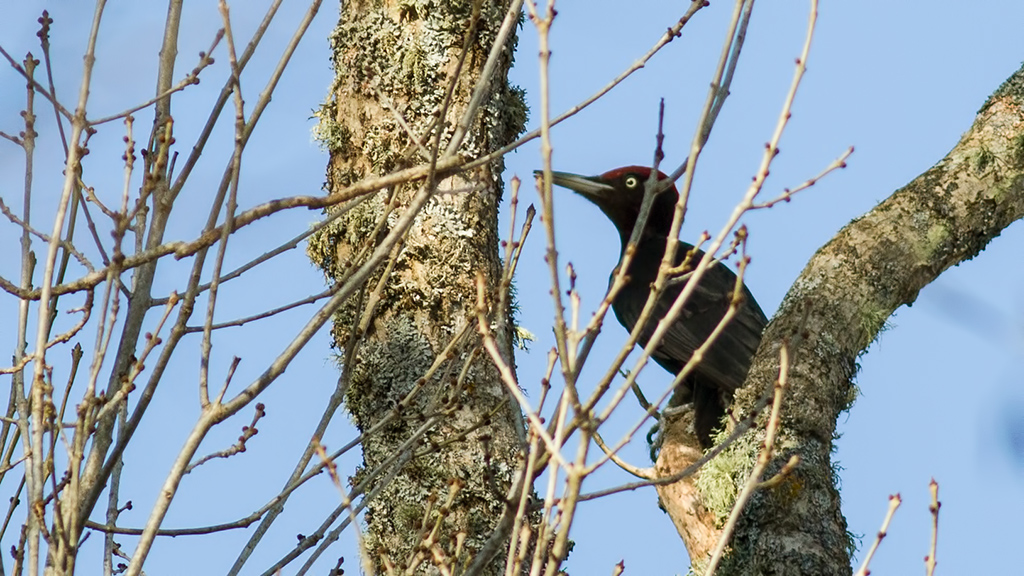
619,194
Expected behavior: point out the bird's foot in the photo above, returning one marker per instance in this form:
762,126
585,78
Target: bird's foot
668,419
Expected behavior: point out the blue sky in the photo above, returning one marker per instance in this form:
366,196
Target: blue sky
940,390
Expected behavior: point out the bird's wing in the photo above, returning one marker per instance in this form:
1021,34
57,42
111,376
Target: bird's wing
727,361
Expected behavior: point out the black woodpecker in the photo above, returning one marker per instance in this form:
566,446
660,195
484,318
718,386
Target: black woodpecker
619,194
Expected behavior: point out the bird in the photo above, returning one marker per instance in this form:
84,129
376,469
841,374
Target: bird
619,194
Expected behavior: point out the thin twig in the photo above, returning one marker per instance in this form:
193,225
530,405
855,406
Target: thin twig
644,473
672,33
229,211
652,188
64,244
35,475
543,25
190,79
486,75
763,458
506,372
929,560
738,431
894,503
788,193
238,447
263,315
39,88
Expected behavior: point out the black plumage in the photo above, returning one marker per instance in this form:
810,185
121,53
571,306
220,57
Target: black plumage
619,194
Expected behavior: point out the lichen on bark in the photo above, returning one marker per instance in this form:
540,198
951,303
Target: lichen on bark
397,58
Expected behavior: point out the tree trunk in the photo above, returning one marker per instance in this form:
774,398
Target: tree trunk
441,445
834,310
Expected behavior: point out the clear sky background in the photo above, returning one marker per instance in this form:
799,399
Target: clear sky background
941,390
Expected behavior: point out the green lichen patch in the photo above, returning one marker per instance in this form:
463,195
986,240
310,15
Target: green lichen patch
721,478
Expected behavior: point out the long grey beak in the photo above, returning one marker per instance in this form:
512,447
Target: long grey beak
588,186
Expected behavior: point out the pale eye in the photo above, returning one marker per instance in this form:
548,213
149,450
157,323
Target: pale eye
632,181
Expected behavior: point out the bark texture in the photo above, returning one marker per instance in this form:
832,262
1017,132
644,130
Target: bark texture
396,58
693,520
834,310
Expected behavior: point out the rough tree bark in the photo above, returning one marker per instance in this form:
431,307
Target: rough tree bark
833,311
396,59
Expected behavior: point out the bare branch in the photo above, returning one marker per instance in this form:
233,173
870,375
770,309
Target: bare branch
190,79
929,560
894,503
